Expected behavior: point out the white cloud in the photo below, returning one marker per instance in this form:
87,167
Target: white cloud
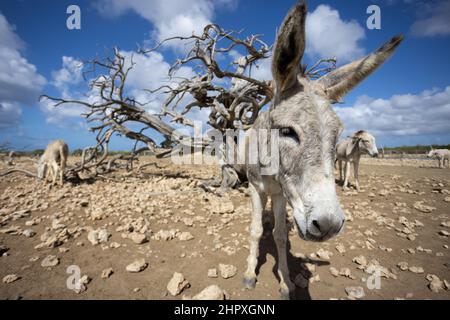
169,17
8,37
19,80
149,72
327,35
66,81
69,74
401,115
263,70
436,24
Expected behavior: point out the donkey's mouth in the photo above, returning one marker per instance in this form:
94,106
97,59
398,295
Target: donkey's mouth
307,236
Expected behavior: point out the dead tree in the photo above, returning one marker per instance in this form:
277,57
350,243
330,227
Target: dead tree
221,84
233,97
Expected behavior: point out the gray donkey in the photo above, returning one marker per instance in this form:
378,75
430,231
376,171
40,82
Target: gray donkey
53,161
441,154
350,150
309,129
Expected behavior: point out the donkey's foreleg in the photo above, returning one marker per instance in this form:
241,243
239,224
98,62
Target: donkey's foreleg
55,169
356,174
256,230
280,235
346,174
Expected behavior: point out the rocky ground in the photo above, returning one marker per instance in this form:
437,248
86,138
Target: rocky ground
158,235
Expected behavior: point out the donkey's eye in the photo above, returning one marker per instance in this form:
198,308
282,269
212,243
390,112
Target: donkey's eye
289,133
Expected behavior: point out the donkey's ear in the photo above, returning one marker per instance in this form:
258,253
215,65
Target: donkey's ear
289,48
340,81
351,146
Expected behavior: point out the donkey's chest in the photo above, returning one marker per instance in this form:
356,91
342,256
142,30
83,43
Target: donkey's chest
270,186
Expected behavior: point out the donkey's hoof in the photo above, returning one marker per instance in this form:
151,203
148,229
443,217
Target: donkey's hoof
285,294
249,283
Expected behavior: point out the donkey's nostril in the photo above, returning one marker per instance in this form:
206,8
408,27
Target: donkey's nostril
316,224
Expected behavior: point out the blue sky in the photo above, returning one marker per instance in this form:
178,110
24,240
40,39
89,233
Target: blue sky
405,102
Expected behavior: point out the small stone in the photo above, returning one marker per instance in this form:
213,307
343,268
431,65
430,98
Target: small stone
50,261
114,245
107,273
165,235
346,272
10,278
436,285
98,236
227,270
177,284
185,236
3,249
444,233
137,238
29,233
56,224
340,248
212,273
334,271
136,290
403,265
316,278
324,254
137,266
188,222
355,292
446,285
416,269
222,206
84,202
361,260
420,206
97,215
212,292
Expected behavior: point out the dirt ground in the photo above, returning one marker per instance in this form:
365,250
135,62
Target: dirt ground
398,223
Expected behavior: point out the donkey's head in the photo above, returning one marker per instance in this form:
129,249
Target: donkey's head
309,127
41,168
363,141
431,154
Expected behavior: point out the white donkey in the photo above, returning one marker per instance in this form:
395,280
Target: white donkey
53,161
441,155
309,129
350,150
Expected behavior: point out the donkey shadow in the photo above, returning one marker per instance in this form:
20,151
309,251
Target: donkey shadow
296,265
